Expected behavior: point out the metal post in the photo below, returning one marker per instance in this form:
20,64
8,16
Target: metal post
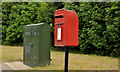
66,59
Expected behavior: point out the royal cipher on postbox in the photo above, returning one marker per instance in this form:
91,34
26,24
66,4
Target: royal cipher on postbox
66,28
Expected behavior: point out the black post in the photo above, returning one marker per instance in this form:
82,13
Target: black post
66,59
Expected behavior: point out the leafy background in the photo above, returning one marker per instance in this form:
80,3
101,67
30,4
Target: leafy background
99,23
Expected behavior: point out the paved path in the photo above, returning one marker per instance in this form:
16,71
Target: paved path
5,67
0,67
13,66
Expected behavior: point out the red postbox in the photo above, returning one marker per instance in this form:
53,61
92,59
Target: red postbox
66,28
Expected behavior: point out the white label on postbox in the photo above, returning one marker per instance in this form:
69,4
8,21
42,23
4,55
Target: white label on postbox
58,33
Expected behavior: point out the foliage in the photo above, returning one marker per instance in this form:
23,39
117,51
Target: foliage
99,23
16,15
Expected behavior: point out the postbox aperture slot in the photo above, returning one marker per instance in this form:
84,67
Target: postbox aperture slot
59,23
59,16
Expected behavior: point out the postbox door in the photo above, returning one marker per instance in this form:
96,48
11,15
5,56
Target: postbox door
59,29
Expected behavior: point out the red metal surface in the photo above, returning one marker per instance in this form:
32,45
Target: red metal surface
68,22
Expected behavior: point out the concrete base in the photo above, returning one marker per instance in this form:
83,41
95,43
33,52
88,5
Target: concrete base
14,66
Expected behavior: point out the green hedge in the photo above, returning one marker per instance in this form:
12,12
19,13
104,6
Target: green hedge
99,23
16,15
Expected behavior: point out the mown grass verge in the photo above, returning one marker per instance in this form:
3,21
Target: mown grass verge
76,61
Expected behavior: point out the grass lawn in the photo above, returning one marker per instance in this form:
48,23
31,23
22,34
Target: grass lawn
12,53
76,61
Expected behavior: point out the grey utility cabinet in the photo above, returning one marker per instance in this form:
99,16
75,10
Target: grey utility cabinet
36,44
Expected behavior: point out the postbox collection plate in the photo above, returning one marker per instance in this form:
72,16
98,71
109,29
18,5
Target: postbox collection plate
58,33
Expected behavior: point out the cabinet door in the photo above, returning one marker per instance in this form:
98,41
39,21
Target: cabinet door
35,46
45,44
27,46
